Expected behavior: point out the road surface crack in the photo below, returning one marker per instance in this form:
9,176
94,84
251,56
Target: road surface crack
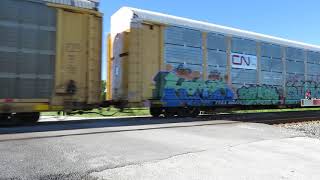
262,140
101,169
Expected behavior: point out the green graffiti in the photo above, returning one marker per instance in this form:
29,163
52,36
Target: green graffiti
218,89
295,90
169,80
258,95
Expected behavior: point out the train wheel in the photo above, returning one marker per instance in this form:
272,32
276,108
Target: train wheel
29,118
183,112
194,112
8,120
3,117
169,113
155,112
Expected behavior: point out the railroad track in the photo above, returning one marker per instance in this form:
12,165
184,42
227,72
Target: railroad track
268,118
96,126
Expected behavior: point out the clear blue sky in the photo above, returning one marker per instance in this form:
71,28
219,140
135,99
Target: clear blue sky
291,19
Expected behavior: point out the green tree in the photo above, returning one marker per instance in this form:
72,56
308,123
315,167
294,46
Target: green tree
103,89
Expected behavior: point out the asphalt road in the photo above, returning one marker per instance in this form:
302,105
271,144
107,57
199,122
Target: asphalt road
144,148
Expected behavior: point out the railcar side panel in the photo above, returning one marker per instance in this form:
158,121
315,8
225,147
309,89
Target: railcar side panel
50,57
185,65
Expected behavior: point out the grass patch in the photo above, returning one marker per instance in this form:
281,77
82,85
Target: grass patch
276,110
108,112
113,112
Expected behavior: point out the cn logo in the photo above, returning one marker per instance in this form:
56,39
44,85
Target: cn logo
242,61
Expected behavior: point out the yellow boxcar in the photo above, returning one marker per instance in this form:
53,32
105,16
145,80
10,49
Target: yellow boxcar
50,57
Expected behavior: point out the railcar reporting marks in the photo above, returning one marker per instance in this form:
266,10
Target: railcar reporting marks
241,61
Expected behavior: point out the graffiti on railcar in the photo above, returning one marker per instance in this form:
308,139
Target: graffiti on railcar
183,86
259,95
294,88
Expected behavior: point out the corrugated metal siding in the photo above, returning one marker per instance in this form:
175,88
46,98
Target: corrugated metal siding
295,54
272,78
313,57
27,49
274,65
216,41
183,36
182,54
217,58
183,49
77,3
244,46
313,69
268,50
244,76
295,67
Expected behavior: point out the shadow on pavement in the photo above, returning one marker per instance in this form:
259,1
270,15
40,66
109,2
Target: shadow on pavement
92,124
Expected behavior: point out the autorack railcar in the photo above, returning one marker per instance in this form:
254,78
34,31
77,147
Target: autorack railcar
50,57
178,66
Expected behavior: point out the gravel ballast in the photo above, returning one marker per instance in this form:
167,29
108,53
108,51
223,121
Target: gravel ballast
310,129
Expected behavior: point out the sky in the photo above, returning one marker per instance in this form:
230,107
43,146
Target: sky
291,19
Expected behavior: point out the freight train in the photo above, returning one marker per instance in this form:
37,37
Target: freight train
50,60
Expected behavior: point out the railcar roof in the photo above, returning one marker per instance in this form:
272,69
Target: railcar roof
135,14
87,4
